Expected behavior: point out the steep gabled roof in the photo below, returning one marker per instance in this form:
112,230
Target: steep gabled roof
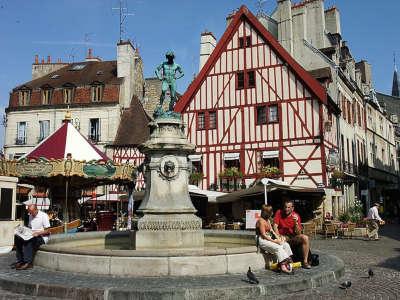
243,13
133,129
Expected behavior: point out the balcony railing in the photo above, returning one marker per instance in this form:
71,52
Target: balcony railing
94,138
349,168
20,140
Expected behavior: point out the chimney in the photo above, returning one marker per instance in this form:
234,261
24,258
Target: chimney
285,24
366,73
125,69
332,20
42,69
90,56
229,18
207,45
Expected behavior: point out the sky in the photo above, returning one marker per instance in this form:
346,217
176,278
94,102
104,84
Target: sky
65,29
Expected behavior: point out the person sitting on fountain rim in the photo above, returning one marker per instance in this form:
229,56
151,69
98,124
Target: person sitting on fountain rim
39,224
267,240
288,224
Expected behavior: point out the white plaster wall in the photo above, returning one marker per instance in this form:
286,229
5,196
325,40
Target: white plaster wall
109,120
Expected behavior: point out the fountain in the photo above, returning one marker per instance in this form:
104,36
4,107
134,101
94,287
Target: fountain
169,239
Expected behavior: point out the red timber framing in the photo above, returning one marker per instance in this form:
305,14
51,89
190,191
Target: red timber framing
133,155
295,106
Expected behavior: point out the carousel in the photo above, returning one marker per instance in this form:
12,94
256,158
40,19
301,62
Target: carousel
67,163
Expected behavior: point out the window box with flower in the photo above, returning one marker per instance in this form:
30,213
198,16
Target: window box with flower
230,179
270,172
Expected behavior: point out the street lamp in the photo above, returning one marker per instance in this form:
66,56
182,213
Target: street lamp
265,181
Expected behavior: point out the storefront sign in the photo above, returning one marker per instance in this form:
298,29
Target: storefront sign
251,218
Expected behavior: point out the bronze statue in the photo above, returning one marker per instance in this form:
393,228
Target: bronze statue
167,73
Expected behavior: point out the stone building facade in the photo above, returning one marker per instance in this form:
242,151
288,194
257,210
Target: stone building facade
312,34
95,91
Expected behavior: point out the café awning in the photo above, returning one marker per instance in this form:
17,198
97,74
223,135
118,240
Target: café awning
258,189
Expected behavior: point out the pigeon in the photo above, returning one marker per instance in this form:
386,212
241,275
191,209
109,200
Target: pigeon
251,277
370,273
345,285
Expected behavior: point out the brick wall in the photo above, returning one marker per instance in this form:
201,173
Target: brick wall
82,95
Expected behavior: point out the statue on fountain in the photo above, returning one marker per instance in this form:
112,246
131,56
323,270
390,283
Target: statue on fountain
168,72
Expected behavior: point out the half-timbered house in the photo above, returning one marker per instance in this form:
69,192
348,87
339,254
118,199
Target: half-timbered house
253,105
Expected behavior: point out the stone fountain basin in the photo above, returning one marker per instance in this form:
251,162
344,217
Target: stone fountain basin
110,253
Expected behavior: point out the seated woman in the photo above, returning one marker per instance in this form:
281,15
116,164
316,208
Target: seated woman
266,240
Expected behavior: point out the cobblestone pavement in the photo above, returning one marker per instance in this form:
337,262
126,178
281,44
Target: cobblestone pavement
383,257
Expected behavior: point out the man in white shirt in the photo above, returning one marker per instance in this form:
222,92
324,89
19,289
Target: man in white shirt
374,220
39,223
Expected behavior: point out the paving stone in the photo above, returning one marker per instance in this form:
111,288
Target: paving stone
382,256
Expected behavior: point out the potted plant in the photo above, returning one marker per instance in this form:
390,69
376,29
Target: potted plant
270,172
196,177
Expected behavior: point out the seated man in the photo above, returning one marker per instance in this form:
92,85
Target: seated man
39,224
288,224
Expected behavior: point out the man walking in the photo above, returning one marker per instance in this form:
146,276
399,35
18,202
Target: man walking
373,222
38,222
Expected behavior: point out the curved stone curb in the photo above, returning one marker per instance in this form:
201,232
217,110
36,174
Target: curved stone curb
202,287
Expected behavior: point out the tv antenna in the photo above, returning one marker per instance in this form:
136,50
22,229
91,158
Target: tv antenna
123,13
260,7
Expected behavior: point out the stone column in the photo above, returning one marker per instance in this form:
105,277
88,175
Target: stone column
168,219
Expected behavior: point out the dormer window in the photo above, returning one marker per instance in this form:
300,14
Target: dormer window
24,97
68,94
47,93
97,92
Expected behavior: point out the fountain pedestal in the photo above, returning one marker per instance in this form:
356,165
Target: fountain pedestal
168,219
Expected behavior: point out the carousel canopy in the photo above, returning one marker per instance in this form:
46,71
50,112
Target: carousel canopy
66,140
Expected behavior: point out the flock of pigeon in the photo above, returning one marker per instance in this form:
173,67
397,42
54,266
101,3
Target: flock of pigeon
252,279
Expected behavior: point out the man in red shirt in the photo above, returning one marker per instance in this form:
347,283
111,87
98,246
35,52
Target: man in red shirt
288,223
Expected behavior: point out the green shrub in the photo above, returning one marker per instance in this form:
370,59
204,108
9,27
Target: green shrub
345,217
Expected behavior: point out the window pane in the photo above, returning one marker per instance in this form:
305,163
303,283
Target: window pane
248,41
213,120
241,43
201,120
240,80
251,79
273,113
261,115
94,130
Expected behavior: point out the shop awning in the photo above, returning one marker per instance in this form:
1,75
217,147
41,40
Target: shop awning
195,157
231,156
211,195
258,189
270,154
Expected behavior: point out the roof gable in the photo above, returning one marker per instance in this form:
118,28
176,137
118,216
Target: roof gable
244,14
133,128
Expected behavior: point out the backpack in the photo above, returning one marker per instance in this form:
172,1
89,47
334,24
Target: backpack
314,260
